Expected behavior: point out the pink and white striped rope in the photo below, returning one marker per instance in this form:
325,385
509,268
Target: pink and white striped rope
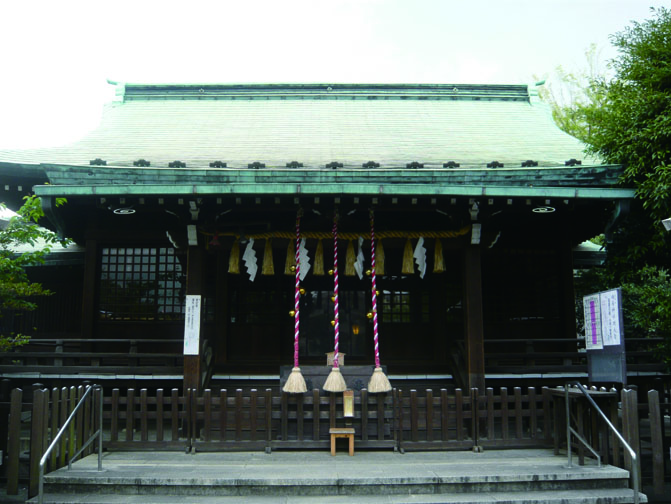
297,293
336,326
373,277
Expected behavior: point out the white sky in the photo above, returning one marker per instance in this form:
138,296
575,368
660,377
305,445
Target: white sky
55,56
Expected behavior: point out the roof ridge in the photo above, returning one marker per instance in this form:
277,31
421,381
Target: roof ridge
139,91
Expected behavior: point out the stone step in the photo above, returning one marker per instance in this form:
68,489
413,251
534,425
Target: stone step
511,475
287,481
328,486
600,496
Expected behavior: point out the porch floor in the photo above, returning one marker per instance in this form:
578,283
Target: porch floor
259,477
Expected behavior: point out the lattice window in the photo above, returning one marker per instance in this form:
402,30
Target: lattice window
140,283
396,306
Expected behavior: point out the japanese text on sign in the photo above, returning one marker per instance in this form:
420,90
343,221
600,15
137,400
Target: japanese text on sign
602,319
192,325
592,307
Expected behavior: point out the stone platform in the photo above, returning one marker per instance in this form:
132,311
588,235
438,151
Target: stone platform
507,476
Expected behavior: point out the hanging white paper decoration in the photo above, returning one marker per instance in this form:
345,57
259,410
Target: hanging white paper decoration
358,265
250,260
304,260
420,256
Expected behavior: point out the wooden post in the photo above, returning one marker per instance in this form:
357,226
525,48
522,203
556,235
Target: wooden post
14,442
630,427
400,420
380,399
159,415
238,414
207,415
364,416
475,420
444,416
657,442
194,275
316,415
55,404
547,416
533,413
223,414
475,347
615,443
269,419
253,399
429,415
505,432
114,416
36,439
459,411
413,416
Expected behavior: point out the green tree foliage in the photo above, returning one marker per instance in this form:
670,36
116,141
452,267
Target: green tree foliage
633,128
630,124
626,119
23,243
573,95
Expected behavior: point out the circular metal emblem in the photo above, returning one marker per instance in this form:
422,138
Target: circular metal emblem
124,211
543,209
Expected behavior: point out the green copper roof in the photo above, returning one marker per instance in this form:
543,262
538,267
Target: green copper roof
316,124
563,182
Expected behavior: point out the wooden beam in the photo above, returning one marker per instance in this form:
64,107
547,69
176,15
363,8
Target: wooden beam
90,280
475,347
194,281
566,276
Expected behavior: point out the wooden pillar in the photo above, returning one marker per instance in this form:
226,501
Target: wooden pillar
221,314
194,279
567,281
88,299
475,348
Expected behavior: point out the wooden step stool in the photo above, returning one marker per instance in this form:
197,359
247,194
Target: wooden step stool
342,432
348,431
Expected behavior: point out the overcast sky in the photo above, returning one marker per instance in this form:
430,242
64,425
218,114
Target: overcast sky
56,56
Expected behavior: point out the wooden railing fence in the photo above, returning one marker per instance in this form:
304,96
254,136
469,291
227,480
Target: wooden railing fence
253,419
48,412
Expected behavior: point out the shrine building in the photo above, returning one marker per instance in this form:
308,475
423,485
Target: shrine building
475,197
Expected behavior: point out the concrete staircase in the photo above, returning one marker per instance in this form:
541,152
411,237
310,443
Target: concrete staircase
510,476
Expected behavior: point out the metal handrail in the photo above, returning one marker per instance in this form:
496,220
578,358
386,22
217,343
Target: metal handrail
570,430
54,442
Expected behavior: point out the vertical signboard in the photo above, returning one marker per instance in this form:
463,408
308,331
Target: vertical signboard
592,308
610,317
603,337
192,325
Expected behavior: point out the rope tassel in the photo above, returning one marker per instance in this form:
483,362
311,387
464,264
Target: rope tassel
438,260
379,258
408,267
290,263
319,259
350,259
234,260
378,382
295,382
335,381
268,265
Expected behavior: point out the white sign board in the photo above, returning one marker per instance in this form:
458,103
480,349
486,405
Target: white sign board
602,320
192,325
610,318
